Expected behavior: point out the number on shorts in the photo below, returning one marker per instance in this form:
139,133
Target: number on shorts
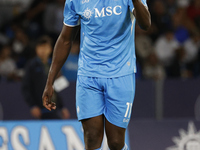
128,110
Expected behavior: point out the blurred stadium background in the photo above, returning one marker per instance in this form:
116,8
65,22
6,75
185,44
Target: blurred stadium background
166,111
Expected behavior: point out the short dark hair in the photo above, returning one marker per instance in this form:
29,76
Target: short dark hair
44,40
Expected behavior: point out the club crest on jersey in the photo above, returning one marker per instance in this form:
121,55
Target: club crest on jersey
87,13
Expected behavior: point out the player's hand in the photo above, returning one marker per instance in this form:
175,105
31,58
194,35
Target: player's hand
36,112
46,98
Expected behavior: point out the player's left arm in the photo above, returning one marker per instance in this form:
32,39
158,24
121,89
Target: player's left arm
142,14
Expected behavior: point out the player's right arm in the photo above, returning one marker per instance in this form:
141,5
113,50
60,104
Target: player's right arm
60,54
142,14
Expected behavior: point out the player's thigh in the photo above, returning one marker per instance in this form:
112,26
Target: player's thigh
89,98
115,135
93,131
119,100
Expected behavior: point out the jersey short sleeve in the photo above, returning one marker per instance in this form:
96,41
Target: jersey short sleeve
71,18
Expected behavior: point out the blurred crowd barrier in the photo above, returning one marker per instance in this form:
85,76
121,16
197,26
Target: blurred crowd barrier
167,99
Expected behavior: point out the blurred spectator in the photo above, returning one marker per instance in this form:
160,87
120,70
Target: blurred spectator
143,44
53,18
21,46
160,17
165,48
180,25
183,3
34,17
34,82
193,12
7,64
178,68
153,69
3,39
5,18
192,50
191,47
20,40
171,6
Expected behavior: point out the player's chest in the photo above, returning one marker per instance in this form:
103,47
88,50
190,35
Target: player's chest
91,10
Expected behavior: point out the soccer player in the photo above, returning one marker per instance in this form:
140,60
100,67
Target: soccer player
107,64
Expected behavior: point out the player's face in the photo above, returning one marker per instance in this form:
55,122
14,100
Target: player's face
43,51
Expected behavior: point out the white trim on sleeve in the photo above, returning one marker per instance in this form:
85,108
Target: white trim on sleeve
72,25
133,9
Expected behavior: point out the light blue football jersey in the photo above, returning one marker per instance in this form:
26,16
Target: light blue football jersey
107,46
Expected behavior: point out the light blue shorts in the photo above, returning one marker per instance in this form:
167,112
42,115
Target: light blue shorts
112,97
